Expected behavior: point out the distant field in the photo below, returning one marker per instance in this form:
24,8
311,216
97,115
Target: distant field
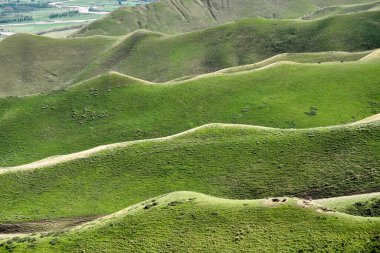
107,5
60,34
35,28
43,14
114,108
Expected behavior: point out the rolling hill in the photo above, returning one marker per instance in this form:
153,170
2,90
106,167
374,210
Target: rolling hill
320,57
179,221
239,162
243,42
195,126
114,108
342,9
362,205
32,64
174,16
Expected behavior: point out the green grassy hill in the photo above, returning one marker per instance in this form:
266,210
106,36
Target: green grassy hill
342,9
114,108
33,64
259,134
320,57
363,205
239,162
174,16
243,42
186,220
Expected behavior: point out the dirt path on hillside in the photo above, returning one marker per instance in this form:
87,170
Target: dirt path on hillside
372,56
83,154
370,119
54,160
12,229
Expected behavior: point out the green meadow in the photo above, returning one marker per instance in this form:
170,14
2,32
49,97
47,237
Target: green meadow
114,108
33,64
225,161
195,126
181,221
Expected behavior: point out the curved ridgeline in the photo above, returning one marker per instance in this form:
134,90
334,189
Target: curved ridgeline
32,64
114,108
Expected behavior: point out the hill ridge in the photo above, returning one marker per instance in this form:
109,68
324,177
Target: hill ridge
102,110
54,160
248,68
314,205
41,64
207,203
173,16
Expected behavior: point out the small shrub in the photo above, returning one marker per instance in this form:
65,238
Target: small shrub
312,111
53,241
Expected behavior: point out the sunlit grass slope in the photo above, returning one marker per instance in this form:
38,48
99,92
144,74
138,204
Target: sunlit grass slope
156,57
342,9
181,221
32,64
226,161
113,108
363,205
174,16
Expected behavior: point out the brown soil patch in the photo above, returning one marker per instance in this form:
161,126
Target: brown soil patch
43,226
275,201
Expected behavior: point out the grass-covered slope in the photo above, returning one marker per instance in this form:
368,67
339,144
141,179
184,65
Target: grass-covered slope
174,16
83,117
156,57
320,57
114,108
181,221
342,9
362,205
33,64
237,162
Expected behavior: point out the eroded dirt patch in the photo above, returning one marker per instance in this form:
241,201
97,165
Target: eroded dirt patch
43,226
275,201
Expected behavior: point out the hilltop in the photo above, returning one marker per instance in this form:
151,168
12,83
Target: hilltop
114,108
173,16
239,43
32,64
240,162
182,220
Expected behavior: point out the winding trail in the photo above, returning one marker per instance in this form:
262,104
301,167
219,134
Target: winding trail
54,160
82,223
50,161
370,119
375,55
